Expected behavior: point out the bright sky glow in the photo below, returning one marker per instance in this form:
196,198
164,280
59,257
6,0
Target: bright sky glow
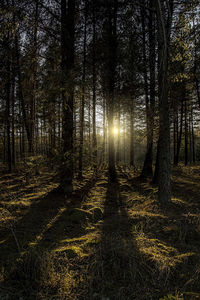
115,131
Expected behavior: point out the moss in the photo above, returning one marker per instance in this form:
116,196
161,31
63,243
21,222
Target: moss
96,213
78,215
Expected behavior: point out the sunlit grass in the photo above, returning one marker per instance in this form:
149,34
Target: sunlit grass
142,247
164,255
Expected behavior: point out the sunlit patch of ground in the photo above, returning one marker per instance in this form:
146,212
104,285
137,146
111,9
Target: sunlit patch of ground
164,256
109,242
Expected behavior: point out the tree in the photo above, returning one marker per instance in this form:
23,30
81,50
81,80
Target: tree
164,10
67,66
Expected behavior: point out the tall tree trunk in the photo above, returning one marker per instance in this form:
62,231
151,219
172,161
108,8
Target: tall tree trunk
193,139
164,28
82,107
13,119
94,79
34,76
67,66
179,137
186,135
112,46
20,90
132,160
174,134
104,127
8,96
118,135
196,78
190,138
147,167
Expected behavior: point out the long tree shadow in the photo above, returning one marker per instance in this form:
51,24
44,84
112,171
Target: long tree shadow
117,272
129,262
45,222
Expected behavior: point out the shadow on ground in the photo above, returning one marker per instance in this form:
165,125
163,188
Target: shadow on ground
118,270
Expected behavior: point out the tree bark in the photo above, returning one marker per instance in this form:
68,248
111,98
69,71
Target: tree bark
150,100
8,97
112,46
179,136
132,159
186,134
82,107
67,66
94,79
164,28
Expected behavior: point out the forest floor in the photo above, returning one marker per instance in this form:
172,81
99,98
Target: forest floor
109,241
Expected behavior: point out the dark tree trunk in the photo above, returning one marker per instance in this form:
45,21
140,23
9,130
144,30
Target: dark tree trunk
104,127
186,135
118,136
67,66
174,134
20,91
193,140
13,119
150,100
179,137
32,102
8,98
112,46
94,79
82,107
164,28
132,159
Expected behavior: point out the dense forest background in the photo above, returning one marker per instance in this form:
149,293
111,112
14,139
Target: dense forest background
78,81
99,87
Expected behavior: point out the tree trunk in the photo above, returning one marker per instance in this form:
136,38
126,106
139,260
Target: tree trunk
186,135
13,119
164,28
112,46
118,136
20,91
147,167
34,76
8,96
132,160
94,79
82,107
179,137
67,66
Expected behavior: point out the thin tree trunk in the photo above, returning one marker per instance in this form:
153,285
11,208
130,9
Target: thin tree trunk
32,103
186,135
193,139
190,139
82,106
118,136
104,127
179,137
20,91
132,160
174,135
94,79
8,96
13,119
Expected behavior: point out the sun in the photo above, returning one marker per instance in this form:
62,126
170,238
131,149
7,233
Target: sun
115,131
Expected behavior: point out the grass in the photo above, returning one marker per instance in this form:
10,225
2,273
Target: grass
110,241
